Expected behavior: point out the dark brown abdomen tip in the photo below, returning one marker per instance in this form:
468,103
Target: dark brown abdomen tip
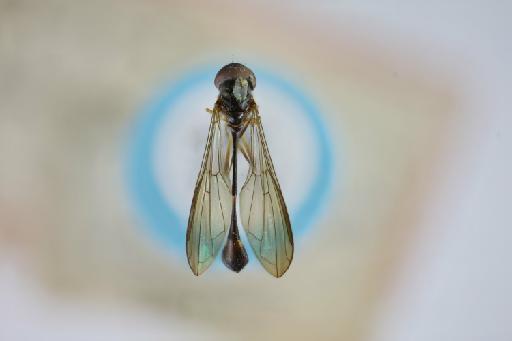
234,255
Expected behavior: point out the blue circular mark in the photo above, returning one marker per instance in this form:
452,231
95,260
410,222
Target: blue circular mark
162,220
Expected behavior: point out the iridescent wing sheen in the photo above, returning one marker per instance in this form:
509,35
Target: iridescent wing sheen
262,207
210,213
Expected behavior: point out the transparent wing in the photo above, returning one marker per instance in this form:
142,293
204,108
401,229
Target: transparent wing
211,205
262,207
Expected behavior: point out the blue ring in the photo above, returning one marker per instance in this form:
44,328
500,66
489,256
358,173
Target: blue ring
149,200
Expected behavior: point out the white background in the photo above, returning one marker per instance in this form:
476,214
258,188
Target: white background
457,280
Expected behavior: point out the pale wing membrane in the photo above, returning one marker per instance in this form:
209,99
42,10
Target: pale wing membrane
262,207
211,206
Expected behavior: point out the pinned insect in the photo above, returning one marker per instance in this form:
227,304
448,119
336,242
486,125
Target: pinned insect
236,126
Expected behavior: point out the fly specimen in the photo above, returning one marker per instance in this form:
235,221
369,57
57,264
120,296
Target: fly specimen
236,126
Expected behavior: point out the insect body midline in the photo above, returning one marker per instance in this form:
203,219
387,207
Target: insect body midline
234,255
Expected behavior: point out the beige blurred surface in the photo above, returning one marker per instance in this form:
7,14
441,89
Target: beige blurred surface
74,75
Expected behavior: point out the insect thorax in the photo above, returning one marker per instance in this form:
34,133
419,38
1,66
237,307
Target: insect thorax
235,116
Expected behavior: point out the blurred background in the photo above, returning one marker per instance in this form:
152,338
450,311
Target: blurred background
388,125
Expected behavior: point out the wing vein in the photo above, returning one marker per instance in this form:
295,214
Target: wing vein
205,230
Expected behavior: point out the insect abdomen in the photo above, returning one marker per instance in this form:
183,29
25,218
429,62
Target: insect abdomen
234,255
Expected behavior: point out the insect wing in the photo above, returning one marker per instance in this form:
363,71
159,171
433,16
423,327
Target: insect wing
262,207
211,205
